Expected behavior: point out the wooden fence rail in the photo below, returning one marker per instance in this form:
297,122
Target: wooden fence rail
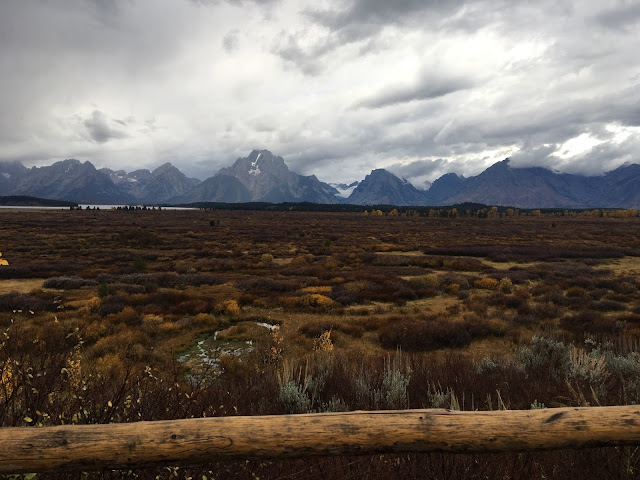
193,441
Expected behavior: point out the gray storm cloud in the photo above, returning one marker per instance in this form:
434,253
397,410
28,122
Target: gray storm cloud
100,129
430,87
337,89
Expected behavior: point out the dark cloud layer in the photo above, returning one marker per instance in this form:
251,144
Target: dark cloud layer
99,128
431,87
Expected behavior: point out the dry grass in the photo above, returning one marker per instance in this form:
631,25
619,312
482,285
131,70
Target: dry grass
507,265
25,285
624,266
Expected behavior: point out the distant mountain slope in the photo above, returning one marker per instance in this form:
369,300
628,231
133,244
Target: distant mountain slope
69,180
268,179
221,188
127,181
445,187
622,187
536,187
27,201
10,174
383,187
164,183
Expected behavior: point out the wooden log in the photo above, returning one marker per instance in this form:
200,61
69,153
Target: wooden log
193,441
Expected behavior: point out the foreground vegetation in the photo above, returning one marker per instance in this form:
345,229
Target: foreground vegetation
118,316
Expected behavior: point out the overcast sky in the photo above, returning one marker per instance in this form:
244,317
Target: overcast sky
422,87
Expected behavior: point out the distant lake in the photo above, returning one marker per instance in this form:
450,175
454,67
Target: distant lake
84,206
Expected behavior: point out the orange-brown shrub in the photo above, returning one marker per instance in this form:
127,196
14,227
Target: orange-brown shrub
127,316
228,307
486,283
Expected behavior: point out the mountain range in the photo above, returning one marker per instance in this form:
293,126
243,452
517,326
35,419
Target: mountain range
264,177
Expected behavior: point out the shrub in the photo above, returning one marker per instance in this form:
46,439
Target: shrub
452,288
127,316
545,355
266,283
598,293
322,289
139,264
412,334
294,398
509,301
576,292
546,310
580,321
23,301
354,329
191,307
486,283
625,288
466,264
103,290
228,307
110,305
609,306
67,283
315,301
506,286
430,280
315,329
302,259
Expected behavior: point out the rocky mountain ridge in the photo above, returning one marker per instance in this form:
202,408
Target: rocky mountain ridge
264,177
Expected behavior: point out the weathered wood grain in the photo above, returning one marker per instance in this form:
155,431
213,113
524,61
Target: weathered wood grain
192,441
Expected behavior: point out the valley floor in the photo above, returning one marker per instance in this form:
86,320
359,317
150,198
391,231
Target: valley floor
118,316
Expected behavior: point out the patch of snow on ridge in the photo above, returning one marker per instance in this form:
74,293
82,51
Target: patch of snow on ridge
255,170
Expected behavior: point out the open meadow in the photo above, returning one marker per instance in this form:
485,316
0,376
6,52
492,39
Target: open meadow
121,316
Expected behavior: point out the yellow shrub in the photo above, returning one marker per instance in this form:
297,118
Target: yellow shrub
331,264
91,306
151,320
169,327
316,301
487,283
205,318
430,280
228,307
128,315
506,285
109,365
319,289
323,343
357,286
